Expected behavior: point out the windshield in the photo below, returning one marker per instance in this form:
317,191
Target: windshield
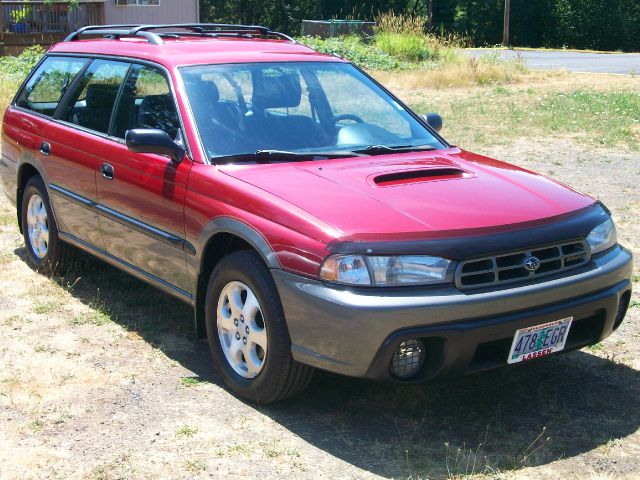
303,107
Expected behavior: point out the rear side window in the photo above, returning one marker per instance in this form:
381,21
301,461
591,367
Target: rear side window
47,85
91,103
146,102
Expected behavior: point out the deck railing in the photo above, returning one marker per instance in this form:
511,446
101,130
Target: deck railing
38,17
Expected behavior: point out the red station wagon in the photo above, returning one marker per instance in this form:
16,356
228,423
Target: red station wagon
309,216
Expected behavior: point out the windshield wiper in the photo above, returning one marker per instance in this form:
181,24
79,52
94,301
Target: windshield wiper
382,149
269,156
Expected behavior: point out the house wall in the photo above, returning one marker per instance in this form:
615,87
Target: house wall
169,11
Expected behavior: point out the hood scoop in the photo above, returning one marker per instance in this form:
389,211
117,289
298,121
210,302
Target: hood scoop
417,176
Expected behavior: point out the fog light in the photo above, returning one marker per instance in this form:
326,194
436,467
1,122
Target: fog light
408,359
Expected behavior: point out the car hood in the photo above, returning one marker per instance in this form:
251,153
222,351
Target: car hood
415,195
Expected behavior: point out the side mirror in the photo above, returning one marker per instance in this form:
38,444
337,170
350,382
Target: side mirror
148,140
434,120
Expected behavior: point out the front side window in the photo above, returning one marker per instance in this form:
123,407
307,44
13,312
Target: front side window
47,85
91,103
300,107
146,102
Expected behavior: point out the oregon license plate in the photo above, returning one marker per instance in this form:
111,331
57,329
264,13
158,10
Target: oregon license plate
539,340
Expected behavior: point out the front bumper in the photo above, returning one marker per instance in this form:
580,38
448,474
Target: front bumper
354,331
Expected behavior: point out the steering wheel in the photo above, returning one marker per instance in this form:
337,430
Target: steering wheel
347,116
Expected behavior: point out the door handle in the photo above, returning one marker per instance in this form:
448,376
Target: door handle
45,149
106,171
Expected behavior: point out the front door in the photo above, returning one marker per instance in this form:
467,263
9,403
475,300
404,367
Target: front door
141,196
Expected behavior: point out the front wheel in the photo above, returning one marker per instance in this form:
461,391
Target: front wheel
248,334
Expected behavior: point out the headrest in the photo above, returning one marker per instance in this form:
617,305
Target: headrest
202,91
276,89
156,102
101,95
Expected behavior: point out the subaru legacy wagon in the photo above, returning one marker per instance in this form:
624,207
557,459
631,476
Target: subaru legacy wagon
310,218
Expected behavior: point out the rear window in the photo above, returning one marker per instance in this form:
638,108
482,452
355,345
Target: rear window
47,85
91,103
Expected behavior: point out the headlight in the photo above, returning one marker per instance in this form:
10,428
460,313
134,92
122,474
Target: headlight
385,270
602,237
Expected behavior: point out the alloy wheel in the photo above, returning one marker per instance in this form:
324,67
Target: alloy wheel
241,329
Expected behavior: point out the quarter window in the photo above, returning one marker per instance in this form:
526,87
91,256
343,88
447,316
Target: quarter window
45,88
92,102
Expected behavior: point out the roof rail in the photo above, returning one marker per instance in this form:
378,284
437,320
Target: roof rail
193,29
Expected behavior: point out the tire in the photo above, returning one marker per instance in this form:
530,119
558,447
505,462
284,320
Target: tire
269,377
46,253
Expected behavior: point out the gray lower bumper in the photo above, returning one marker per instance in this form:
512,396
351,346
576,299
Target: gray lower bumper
343,330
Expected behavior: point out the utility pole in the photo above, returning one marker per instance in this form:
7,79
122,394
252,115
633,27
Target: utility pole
507,14
430,16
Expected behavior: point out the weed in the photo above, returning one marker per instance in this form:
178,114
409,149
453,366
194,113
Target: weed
596,348
195,466
99,314
36,425
39,348
186,431
45,307
190,381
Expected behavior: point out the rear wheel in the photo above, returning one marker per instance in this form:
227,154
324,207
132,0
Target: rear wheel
45,251
247,332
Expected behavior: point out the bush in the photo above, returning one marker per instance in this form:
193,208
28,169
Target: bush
354,49
17,68
405,37
13,71
411,48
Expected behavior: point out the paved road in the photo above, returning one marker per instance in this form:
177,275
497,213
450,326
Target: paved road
625,63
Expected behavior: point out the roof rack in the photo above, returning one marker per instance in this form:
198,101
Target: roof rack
192,29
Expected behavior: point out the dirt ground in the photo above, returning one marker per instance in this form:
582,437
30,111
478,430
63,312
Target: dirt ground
101,377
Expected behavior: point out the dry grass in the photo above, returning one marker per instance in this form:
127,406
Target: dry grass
467,72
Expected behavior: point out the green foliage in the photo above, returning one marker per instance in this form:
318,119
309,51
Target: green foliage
354,49
593,24
15,70
20,66
20,15
410,48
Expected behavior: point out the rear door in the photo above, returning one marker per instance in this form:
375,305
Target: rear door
70,175
75,141
141,196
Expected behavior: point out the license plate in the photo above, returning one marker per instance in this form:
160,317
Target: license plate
539,340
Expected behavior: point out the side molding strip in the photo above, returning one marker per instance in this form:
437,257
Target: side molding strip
129,222
152,279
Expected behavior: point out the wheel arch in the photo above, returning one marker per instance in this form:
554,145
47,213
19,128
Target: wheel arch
219,238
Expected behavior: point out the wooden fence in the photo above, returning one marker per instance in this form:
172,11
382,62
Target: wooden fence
23,24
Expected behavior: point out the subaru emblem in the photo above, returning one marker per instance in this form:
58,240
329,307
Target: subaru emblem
531,264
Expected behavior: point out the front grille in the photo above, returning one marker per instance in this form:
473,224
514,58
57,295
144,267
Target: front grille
509,267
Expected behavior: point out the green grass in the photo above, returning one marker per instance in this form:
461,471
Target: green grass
609,119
